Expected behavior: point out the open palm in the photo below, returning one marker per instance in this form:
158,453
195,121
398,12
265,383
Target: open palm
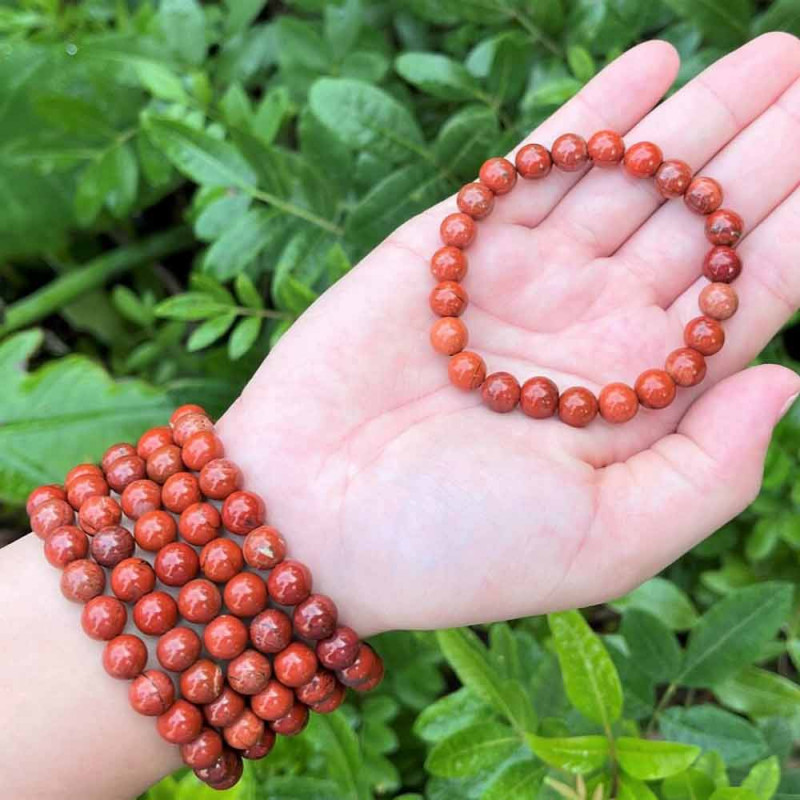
417,507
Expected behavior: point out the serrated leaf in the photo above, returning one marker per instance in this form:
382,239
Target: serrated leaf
712,728
759,693
652,644
366,118
244,336
731,633
520,780
70,400
471,750
190,306
437,75
649,760
197,155
590,677
576,754
210,330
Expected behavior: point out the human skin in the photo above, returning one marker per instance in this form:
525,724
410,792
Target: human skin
416,507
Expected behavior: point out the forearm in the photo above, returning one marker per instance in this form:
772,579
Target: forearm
70,731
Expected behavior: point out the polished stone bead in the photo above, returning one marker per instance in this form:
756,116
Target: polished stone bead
703,195
155,613
154,529
271,631
340,649
245,594
202,682
617,403
219,478
41,494
181,723
242,512
449,336
500,392
466,370
245,731
125,656
103,618
164,462
295,664
199,601
224,773
606,148
273,702
705,335
264,547
685,366
151,693
176,564
293,722
112,545
140,497
204,751
539,397
655,388
448,299
332,702
225,637
125,471
153,440
80,489
315,618
475,199
262,747
498,174
200,448
99,511
533,161
321,686
131,579
249,672
577,406
722,264
65,544
673,177
187,408
225,709
724,227
199,524
362,669
718,301
569,152
82,580
188,424
289,583
178,649
180,491
449,264
458,230
642,159
221,559
80,470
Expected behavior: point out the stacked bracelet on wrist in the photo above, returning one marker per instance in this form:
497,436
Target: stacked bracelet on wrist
252,655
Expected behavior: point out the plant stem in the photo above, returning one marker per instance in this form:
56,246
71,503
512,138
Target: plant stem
294,210
66,288
665,698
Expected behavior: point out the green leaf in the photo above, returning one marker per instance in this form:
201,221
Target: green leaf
246,236
649,760
471,750
652,644
632,789
712,728
763,778
301,47
235,107
732,632
295,787
184,27
366,118
247,293
692,784
590,677
782,15
205,160
215,219
333,736
70,400
733,793
449,714
244,336
509,70
342,24
520,780
465,140
190,306
724,22
111,180
663,599
131,307
580,63
438,75
468,657
577,754
760,693
211,330
270,114
160,81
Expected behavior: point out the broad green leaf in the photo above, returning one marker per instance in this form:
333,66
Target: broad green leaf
781,15
468,657
156,167
520,780
240,244
734,793
301,47
639,694
468,751
731,633
590,677
577,754
197,155
333,736
448,714
633,789
70,400
342,24
712,728
365,65
215,219
649,760
295,787
724,22
367,118
760,693
691,784
763,778
299,268
652,644
510,63
184,27
209,331
465,140
409,190
580,63
110,180
190,306
244,336
789,788
270,113
160,81
438,75
235,106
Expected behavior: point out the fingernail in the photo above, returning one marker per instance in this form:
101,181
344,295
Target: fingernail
787,405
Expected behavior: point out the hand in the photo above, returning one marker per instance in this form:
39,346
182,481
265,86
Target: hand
414,505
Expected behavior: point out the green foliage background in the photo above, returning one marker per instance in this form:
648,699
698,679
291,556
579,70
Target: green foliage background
178,182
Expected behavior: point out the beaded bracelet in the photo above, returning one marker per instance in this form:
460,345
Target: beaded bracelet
252,656
539,396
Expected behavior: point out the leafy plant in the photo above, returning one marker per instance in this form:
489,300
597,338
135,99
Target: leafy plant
181,180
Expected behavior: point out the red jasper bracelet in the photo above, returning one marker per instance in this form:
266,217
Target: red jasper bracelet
200,595
539,397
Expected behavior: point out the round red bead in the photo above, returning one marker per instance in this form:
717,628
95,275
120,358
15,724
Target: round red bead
112,545
152,440
140,497
499,174
225,709
617,403
264,547
448,299
271,631
719,301
125,656
569,152
539,397
655,388
643,159
249,672
99,511
500,391
181,723
245,594
131,579
65,544
180,491
289,583
204,751
103,618
577,406
724,227
475,199
449,264
685,366
178,649
722,264
225,637
273,702
154,529
673,177
466,370
221,559
151,693
49,515
155,613
703,195
449,336
705,335
606,148
82,580
293,722
200,448
458,230
202,682
340,649
124,471
242,512
42,494
200,523
199,601
164,462
219,478
533,161
295,664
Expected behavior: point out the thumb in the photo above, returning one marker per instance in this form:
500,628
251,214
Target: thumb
694,481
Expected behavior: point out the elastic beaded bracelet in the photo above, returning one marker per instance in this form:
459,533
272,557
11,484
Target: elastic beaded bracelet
278,664
539,397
